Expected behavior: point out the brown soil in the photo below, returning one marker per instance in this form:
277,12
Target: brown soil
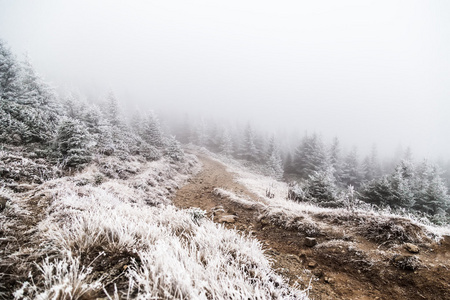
336,271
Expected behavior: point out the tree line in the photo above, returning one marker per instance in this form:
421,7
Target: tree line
68,130
325,174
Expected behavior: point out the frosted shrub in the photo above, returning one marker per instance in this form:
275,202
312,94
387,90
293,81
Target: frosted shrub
61,279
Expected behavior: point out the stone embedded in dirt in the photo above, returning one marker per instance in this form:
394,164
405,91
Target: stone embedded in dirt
328,279
312,264
227,219
294,257
310,242
411,248
264,221
217,209
318,273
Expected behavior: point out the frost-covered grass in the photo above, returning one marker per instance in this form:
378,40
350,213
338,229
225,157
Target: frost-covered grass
246,203
177,259
144,251
62,278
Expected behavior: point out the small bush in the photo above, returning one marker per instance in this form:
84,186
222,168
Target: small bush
406,262
392,231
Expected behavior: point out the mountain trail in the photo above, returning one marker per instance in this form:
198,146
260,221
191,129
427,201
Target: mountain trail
349,267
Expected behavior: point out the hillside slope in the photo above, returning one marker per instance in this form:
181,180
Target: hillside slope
111,231
342,254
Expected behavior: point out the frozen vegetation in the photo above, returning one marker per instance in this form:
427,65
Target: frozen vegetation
86,207
276,206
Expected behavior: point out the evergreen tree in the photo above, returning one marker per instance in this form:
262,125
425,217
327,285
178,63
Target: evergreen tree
226,143
137,123
274,163
351,173
320,187
335,158
248,146
9,75
419,188
402,186
431,192
151,131
270,147
35,91
149,152
310,156
174,150
93,119
370,167
73,108
28,110
72,142
112,110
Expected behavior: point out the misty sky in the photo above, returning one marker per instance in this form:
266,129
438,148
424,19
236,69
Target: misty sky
366,71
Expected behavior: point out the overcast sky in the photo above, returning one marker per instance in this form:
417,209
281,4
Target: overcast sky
366,71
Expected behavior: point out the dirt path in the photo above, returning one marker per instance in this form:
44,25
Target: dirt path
336,272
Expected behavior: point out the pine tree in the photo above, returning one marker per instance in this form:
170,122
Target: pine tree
112,110
351,173
137,123
93,119
432,193
419,188
372,168
73,107
320,187
149,152
28,109
9,75
310,156
274,163
335,158
151,131
174,150
72,142
401,184
226,143
35,91
270,147
248,146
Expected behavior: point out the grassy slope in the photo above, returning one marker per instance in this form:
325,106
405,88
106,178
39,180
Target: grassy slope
89,235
